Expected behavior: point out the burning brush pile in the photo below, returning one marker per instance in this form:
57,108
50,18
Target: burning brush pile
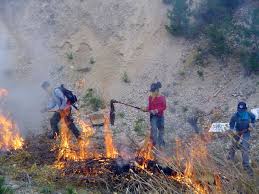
140,172
84,162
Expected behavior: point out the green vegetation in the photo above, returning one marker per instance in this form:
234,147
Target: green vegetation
125,78
70,56
71,190
200,74
214,21
4,189
92,61
140,126
179,18
46,190
93,100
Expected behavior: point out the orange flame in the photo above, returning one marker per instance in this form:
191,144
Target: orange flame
68,150
218,183
197,152
146,152
9,135
111,151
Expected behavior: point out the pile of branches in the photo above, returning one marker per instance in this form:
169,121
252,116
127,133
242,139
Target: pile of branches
117,175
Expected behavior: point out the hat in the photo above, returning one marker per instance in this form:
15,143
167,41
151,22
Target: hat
45,84
241,106
155,86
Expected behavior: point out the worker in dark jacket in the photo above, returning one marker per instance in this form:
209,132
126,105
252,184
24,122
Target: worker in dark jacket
61,107
156,108
241,124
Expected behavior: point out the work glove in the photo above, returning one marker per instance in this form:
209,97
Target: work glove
154,112
144,109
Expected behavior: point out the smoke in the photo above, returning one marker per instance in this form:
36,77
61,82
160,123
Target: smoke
24,64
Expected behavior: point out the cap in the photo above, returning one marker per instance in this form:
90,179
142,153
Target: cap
241,106
155,86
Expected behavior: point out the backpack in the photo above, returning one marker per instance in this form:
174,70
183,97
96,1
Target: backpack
72,99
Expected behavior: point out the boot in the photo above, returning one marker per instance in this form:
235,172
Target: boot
249,171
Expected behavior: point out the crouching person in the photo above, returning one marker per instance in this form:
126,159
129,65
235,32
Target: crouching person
156,108
241,124
61,106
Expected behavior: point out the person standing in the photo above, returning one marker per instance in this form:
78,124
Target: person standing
156,107
61,106
241,125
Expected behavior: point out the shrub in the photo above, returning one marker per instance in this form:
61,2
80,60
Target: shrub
71,190
217,41
140,126
125,78
92,61
179,18
216,11
70,56
94,101
200,74
250,60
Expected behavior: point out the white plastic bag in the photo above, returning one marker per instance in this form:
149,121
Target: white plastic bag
255,111
219,127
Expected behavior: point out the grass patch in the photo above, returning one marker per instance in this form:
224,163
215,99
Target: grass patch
140,127
3,188
47,190
71,190
93,100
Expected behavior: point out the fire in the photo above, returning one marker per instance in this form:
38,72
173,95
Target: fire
111,151
78,151
9,135
197,152
10,138
146,152
69,150
188,179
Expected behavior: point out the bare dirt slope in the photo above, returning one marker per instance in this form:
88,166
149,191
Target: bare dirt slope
119,36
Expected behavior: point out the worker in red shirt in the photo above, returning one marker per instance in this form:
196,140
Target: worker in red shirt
156,108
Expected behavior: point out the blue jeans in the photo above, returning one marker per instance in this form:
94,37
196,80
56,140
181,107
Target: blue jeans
157,129
244,146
